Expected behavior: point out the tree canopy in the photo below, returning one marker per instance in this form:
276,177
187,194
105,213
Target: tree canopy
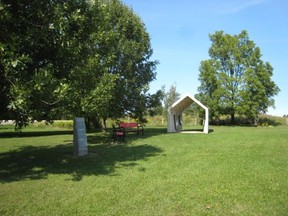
235,81
59,58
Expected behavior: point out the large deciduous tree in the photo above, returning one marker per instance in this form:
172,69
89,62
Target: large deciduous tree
235,81
41,42
121,51
88,58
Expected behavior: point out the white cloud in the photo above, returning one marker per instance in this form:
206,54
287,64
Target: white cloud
234,6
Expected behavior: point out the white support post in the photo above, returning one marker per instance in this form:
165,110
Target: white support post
206,121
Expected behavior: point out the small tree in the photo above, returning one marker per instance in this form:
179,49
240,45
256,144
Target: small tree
235,80
155,102
170,97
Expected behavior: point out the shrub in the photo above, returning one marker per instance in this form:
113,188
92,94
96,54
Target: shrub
63,124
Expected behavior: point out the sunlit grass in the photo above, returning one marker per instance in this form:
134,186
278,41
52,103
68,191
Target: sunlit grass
231,171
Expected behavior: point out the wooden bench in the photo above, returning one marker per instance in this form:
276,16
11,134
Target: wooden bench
131,127
126,127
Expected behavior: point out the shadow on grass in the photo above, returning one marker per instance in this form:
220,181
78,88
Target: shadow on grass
37,162
197,130
34,133
30,162
106,138
129,137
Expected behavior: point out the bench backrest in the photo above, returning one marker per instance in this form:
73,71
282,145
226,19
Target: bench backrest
128,125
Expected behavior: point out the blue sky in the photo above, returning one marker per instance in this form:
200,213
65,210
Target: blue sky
179,31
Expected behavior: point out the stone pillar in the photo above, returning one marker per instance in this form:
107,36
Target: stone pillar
79,137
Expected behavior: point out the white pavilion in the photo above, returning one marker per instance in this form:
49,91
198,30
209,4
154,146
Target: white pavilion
174,123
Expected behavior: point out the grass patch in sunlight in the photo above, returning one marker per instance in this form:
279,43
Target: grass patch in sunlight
231,171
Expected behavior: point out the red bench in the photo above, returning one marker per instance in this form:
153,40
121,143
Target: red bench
126,127
132,127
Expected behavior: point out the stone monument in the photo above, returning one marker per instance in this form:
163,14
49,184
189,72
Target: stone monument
79,137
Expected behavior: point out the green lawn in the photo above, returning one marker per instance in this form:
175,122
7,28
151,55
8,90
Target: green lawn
231,171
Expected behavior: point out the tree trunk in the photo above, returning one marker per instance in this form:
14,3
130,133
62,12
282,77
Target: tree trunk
256,120
87,123
233,118
103,125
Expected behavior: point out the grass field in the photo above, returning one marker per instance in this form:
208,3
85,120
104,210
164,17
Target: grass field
231,171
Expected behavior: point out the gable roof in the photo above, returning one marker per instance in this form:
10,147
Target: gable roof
184,102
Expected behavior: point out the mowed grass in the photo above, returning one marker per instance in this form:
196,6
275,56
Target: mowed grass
231,171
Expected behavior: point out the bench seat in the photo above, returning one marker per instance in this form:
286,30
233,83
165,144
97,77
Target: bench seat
127,127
